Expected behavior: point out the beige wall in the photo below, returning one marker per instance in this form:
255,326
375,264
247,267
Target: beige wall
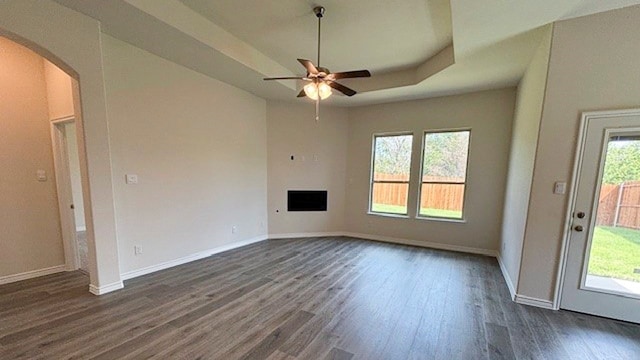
489,114
292,130
524,141
60,101
593,66
199,149
31,237
59,93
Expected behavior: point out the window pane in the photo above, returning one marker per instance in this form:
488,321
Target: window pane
442,200
445,156
389,198
614,256
392,157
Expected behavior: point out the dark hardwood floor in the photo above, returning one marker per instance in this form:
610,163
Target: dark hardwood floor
319,298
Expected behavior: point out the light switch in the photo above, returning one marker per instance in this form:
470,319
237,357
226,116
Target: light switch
131,179
559,188
41,175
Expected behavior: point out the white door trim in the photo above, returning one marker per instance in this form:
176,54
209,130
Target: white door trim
63,187
564,249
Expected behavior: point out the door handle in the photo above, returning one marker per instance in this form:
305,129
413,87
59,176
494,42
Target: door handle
72,206
578,228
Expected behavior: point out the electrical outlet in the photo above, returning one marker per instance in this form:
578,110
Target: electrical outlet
131,179
137,250
234,229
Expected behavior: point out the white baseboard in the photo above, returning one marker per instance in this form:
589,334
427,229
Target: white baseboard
101,290
425,244
81,228
32,274
304,235
531,301
189,258
507,278
523,299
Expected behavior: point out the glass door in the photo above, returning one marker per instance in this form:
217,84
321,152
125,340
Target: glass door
602,274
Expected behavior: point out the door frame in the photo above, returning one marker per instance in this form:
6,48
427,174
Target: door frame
64,192
577,167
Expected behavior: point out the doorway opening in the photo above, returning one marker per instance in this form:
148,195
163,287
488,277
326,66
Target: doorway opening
38,143
70,198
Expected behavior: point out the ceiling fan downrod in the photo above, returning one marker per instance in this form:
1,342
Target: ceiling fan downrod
319,11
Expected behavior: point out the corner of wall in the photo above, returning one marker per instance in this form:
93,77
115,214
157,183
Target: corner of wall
522,161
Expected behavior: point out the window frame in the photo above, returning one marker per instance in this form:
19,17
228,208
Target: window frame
372,180
462,218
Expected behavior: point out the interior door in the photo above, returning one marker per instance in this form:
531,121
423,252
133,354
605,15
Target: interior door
602,272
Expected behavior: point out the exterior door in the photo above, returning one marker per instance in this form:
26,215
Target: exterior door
602,269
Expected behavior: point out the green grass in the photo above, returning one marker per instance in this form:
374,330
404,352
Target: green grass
395,209
452,214
615,252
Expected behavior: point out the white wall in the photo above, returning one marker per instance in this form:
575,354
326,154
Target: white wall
593,66
489,114
30,238
524,141
74,172
199,149
292,130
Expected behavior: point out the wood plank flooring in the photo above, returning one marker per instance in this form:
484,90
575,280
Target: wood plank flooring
318,298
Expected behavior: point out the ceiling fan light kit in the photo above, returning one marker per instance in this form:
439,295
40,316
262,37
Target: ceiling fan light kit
313,90
321,80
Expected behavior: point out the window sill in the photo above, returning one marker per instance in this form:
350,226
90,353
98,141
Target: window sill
397,216
431,218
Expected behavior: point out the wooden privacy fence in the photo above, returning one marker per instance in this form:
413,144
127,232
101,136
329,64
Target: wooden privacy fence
434,196
619,205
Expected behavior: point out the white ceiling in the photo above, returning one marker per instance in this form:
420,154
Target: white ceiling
355,34
414,48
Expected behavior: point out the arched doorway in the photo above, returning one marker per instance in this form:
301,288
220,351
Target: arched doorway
72,42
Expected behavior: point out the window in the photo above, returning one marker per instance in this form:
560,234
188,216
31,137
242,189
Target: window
444,174
390,173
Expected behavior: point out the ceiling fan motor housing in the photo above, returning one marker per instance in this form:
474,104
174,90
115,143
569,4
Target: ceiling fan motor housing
323,70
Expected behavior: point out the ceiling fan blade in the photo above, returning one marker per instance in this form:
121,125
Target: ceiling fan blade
349,74
311,69
343,89
302,93
286,78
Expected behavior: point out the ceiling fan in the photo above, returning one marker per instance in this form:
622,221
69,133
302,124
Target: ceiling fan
320,79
